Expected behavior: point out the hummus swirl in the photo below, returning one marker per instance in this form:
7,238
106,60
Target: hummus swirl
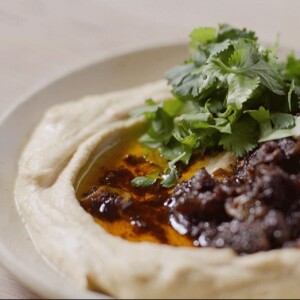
69,237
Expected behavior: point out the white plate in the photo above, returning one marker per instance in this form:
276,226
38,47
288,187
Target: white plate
123,70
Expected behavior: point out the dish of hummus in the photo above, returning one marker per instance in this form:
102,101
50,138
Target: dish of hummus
195,194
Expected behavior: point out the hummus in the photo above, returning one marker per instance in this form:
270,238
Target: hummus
69,237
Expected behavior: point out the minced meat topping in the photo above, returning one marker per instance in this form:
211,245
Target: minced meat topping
257,208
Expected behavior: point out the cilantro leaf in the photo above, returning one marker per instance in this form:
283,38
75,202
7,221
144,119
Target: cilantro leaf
282,120
222,125
283,133
245,55
142,181
149,141
176,75
216,49
243,138
292,87
214,105
262,117
292,69
240,89
190,141
172,106
161,125
199,120
228,32
176,149
170,178
268,76
202,35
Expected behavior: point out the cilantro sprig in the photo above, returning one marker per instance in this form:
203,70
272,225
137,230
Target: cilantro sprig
230,94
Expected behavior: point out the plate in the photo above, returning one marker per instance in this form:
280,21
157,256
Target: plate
121,70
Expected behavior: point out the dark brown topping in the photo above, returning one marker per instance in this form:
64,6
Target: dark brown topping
146,216
256,210
200,197
134,160
105,205
116,200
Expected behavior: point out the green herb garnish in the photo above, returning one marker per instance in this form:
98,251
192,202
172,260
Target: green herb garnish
231,93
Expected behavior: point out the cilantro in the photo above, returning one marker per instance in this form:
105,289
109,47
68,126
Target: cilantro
199,120
231,33
148,141
243,138
179,73
282,120
262,117
292,87
202,35
172,106
175,149
161,125
245,55
231,93
268,75
170,178
145,181
240,89
142,181
292,69
282,133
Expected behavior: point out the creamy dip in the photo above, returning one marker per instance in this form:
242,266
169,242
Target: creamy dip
69,237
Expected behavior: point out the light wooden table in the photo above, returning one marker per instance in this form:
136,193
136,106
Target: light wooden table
42,38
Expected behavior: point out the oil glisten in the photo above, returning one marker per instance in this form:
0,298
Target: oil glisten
104,190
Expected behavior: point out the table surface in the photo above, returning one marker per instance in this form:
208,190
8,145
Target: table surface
41,39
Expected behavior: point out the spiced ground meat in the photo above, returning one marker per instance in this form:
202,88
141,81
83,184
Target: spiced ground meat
256,209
